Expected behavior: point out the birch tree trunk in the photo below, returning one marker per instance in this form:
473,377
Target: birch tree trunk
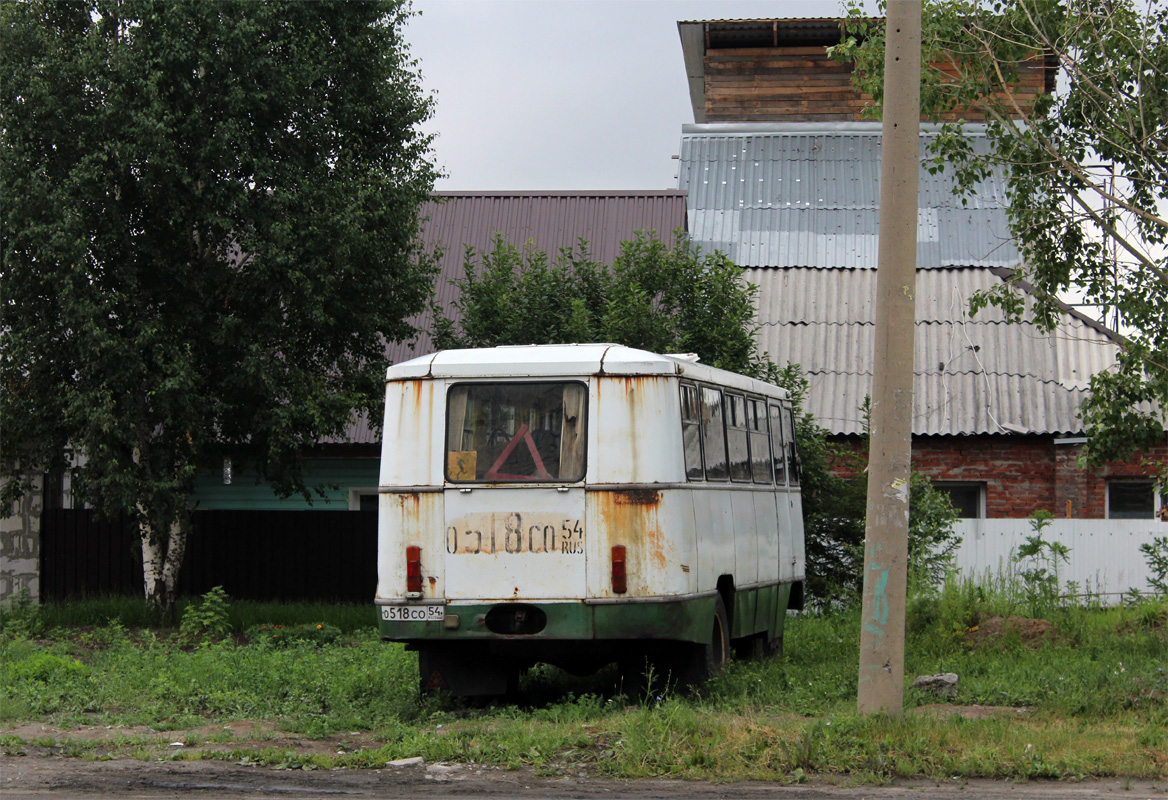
162,553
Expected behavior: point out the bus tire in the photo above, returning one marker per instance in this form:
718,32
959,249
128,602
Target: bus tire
699,661
717,652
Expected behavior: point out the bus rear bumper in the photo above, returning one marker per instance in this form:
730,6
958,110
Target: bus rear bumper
683,619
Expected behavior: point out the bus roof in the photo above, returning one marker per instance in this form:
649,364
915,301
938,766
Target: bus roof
568,360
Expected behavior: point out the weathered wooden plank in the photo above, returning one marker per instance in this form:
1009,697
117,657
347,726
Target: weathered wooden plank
732,53
777,65
767,115
827,104
784,94
778,79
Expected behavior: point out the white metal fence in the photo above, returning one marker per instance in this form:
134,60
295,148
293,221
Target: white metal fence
1105,557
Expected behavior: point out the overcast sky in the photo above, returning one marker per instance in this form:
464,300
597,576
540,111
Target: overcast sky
565,94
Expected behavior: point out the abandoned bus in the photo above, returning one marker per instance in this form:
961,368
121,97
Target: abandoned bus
579,505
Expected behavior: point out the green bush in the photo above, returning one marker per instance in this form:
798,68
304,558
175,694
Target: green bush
1037,562
21,617
1156,554
207,618
835,498
44,667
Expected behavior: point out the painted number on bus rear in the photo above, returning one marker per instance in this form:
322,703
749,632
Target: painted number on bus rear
493,533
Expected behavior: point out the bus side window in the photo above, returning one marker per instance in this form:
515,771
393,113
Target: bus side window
714,435
778,451
736,437
789,439
760,451
691,432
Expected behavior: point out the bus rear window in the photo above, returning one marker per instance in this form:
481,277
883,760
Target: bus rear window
516,432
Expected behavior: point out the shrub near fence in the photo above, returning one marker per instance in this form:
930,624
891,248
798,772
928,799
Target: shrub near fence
253,555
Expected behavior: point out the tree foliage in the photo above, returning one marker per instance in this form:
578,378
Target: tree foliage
209,227
835,494
1087,167
661,298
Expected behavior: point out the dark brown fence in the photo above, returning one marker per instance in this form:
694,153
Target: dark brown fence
253,555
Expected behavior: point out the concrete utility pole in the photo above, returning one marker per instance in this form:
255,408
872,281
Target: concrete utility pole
886,536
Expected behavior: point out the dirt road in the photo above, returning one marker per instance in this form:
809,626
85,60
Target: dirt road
27,777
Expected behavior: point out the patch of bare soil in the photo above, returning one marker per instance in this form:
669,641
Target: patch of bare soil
26,778
1032,632
943,710
242,736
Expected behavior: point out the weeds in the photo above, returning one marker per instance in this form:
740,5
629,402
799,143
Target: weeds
21,617
1038,567
286,635
207,618
1156,554
134,613
1088,700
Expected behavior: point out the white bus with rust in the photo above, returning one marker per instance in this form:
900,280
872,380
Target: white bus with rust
579,505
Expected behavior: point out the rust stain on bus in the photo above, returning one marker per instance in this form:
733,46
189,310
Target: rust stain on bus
630,517
411,505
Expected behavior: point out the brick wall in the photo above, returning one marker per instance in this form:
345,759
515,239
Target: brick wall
1023,474
1018,471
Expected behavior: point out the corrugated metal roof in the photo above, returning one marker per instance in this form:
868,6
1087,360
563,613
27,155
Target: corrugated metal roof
973,374
551,221
797,204
811,237
809,195
957,405
947,348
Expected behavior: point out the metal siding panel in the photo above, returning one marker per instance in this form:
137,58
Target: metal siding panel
834,171
1104,554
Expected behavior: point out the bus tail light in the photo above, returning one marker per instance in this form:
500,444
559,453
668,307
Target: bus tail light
414,569
619,579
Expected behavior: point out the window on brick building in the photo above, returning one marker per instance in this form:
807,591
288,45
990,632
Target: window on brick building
967,498
1132,500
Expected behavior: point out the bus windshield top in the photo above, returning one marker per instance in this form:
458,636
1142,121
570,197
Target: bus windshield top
516,432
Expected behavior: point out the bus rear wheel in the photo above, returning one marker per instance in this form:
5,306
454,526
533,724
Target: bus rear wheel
717,652
684,666
704,660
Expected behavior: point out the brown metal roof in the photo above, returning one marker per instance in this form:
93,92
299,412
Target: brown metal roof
551,221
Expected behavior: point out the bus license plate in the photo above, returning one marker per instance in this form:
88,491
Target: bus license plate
418,613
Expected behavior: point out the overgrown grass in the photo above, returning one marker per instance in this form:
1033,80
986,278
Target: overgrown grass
1087,699
132,612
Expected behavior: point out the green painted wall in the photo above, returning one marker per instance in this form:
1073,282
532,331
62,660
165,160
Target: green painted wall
335,476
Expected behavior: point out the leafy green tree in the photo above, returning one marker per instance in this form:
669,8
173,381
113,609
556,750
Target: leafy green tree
209,232
1087,166
835,494
653,296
